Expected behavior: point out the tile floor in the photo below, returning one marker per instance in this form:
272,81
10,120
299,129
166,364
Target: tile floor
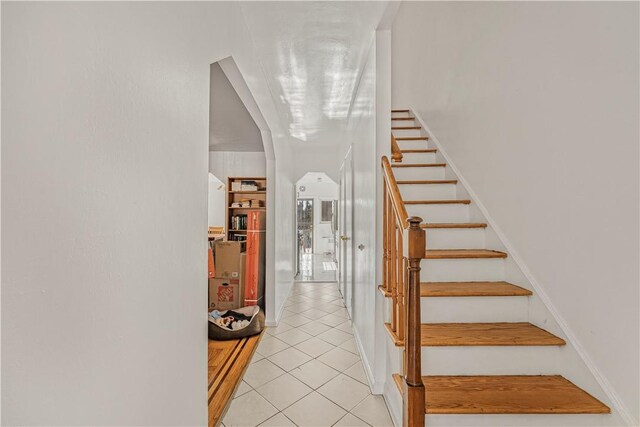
307,371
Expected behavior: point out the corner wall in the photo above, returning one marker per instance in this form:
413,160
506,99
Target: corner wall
537,104
104,207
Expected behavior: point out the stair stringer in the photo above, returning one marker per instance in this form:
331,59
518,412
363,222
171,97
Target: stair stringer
574,364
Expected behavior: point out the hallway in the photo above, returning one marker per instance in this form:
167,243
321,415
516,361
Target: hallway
307,371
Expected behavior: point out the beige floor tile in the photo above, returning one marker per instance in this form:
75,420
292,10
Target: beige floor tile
334,336
339,359
282,327
314,410
289,358
270,345
374,411
294,336
345,391
314,373
314,313
331,320
238,416
345,327
314,328
357,373
350,345
314,347
296,320
350,420
242,389
261,373
284,391
278,420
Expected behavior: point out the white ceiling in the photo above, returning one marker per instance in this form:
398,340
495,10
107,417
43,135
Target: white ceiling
313,54
231,127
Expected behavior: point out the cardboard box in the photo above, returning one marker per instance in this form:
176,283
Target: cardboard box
227,260
227,293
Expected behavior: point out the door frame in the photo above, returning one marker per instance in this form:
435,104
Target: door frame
345,231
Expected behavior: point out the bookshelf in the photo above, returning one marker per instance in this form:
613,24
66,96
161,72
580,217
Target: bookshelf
254,195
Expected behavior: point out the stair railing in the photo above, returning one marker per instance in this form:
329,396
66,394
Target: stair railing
404,245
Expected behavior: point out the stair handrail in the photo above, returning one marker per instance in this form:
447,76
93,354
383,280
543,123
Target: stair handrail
401,274
396,153
393,190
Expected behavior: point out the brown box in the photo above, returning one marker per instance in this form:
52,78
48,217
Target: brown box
227,260
227,293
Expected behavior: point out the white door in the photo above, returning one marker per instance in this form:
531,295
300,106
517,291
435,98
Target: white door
346,231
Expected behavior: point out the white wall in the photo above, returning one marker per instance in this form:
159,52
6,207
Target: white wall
362,135
537,104
104,189
224,164
216,202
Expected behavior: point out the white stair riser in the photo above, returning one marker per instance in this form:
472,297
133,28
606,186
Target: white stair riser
428,191
418,157
440,212
491,360
461,270
403,114
456,238
473,309
395,123
411,174
406,132
414,145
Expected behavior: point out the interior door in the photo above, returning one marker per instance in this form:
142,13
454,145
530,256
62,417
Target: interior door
345,225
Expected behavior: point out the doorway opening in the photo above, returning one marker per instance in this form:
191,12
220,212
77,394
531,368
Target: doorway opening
316,228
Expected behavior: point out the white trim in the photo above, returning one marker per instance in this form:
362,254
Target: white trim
600,378
376,388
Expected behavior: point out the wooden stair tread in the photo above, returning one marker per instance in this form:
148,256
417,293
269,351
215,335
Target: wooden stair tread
412,138
453,225
427,150
462,253
482,334
433,181
466,289
405,127
419,165
438,202
506,394
403,118
399,111
471,289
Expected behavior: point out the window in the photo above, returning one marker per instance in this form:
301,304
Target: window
326,213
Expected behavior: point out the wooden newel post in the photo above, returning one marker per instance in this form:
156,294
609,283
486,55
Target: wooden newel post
414,393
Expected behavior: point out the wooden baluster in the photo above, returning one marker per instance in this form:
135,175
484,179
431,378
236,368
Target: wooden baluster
385,245
414,392
393,274
400,272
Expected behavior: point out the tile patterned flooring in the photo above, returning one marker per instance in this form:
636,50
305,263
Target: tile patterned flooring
307,371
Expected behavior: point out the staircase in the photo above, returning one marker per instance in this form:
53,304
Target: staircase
448,292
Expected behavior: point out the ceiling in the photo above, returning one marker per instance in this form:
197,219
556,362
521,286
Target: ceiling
313,54
231,127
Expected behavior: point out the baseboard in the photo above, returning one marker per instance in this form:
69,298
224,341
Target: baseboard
571,337
274,323
376,387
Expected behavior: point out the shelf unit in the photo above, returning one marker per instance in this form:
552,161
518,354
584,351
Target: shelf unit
236,196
